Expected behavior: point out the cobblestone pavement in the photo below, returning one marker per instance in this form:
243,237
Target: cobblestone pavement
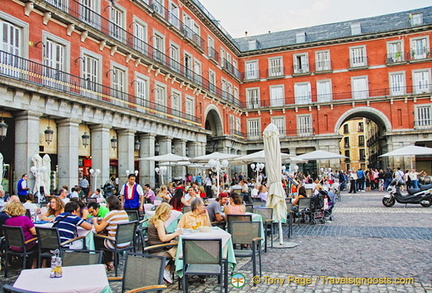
365,240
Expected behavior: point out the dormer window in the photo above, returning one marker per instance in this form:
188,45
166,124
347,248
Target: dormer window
300,37
356,29
253,44
416,19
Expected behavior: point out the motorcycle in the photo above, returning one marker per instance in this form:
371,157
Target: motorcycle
421,195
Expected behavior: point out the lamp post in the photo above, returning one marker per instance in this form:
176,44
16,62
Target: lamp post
162,170
95,174
217,166
257,168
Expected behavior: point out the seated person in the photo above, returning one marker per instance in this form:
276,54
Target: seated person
68,222
236,206
83,209
262,193
301,194
255,191
4,215
178,201
197,216
163,194
55,208
157,234
97,194
96,210
214,207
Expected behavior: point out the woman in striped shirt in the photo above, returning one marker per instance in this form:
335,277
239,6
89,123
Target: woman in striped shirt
115,216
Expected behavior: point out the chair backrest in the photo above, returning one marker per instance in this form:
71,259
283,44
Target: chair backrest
186,209
82,257
14,236
142,270
133,215
202,251
28,214
289,207
242,218
249,208
126,233
48,238
304,203
266,213
244,232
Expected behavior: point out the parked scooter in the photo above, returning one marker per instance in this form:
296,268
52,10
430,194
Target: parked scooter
421,195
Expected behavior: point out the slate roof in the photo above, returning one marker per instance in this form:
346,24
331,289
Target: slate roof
370,25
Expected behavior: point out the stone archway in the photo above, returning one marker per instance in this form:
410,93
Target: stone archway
367,112
213,123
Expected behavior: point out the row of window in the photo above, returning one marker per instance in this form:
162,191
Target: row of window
421,83
361,153
419,49
360,142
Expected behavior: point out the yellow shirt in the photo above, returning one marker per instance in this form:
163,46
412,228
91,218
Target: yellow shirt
188,220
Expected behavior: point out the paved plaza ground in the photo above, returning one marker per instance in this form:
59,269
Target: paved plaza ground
365,240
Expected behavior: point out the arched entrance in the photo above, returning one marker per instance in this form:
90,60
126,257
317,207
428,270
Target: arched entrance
213,123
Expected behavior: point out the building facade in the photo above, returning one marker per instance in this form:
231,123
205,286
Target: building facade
116,81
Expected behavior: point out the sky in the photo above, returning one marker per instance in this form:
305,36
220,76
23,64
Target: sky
259,17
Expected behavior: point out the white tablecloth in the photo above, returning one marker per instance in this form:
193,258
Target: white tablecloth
76,279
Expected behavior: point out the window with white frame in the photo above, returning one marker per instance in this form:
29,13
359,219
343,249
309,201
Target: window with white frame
422,81
160,99
277,96
254,128
251,70
397,83
324,90
275,67
423,115
236,93
140,33
11,40
212,81
118,82
232,124
358,56
301,63
211,48
395,51
302,93
190,105
117,23
416,19
224,88
420,48
158,6
159,44
188,67
174,14
90,12
252,98
222,55
238,124
176,103
141,93
197,71
55,60
279,121
322,60
175,57
91,66
360,87
61,4
187,25
304,125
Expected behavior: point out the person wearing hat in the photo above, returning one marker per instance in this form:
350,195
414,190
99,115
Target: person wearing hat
214,207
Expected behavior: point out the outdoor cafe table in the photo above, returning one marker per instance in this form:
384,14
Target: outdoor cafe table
76,279
170,224
214,233
89,239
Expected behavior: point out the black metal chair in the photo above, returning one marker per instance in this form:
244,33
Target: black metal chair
126,233
267,218
203,257
134,215
142,273
290,213
248,233
14,236
239,218
304,209
249,208
49,241
81,257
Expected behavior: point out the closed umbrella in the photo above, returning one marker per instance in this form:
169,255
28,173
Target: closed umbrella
276,197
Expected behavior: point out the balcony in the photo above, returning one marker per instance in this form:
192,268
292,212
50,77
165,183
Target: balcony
420,55
396,58
323,67
301,69
228,67
194,38
213,55
275,72
32,73
358,63
251,75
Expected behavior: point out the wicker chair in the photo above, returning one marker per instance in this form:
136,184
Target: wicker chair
267,217
81,257
202,257
248,233
142,273
15,238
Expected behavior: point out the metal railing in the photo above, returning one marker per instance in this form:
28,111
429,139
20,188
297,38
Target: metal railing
360,61
276,72
231,69
15,67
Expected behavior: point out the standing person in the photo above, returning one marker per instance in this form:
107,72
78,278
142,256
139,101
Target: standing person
413,175
132,195
388,176
84,184
208,185
360,180
22,188
353,181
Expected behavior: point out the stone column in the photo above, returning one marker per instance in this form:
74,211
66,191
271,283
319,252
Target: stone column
68,152
126,153
147,173
165,144
26,145
100,151
180,150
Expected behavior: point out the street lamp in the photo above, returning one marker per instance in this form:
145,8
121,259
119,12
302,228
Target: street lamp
257,168
3,129
162,170
217,166
85,139
113,142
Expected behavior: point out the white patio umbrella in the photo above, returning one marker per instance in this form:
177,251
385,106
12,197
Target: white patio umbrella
276,197
214,156
258,156
410,150
166,158
318,155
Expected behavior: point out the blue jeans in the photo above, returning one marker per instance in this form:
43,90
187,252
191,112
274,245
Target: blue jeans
414,183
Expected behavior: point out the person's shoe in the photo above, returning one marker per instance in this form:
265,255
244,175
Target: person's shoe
167,277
